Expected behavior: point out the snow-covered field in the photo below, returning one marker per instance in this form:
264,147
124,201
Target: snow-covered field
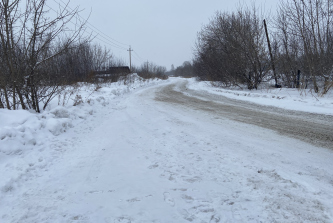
122,156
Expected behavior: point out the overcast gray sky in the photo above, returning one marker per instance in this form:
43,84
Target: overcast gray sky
163,32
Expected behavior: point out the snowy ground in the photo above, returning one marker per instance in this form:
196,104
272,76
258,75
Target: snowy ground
123,156
286,98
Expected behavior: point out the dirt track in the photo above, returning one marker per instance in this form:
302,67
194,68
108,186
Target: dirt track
312,128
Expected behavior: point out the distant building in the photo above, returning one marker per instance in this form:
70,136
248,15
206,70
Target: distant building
119,70
124,70
112,73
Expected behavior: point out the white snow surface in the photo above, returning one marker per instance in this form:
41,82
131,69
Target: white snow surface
287,98
121,156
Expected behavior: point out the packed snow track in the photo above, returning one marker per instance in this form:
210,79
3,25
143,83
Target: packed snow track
169,154
313,128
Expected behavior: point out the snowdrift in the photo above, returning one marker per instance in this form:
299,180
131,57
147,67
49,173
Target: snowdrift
286,98
27,139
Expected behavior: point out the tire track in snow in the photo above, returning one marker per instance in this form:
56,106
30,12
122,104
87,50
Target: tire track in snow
316,129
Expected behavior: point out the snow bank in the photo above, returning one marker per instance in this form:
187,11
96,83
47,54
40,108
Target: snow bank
28,140
291,99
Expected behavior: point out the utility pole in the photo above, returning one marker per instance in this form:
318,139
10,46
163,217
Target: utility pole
270,54
130,56
147,66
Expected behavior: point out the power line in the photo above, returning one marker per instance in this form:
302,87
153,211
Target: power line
139,56
95,29
105,38
110,43
121,48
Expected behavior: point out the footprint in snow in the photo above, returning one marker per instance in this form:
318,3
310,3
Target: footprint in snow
153,166
215,218
193,179
133,200
168,199
122,220
187,198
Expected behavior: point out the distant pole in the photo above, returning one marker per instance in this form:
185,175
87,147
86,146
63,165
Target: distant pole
270,54
147,66
130,56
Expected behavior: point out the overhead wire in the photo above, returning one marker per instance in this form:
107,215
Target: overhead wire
112,42
101,32
101,36
89,33
139,57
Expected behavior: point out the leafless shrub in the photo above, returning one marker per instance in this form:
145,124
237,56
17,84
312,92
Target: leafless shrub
78,100
150,70
28,51
230,49
305,49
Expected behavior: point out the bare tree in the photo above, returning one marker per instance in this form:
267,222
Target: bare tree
305,27
185,70
150,70
27,45
231,49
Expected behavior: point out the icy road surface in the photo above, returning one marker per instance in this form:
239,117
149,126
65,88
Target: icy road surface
168,154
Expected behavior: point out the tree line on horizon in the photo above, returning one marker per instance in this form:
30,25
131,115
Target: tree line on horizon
233,47
41,53
149,70
184,70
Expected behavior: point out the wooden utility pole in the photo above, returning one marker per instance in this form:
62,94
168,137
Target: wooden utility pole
271,55
130,56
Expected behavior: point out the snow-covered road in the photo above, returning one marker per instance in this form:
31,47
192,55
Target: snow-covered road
314,128
148,158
